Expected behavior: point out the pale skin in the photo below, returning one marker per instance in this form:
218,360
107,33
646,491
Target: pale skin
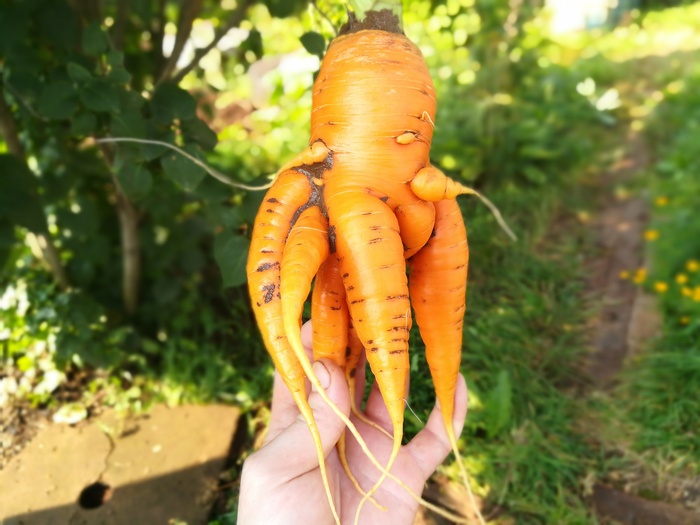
281,482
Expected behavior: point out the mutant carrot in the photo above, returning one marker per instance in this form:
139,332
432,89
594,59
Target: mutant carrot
367,171
272,225
438,287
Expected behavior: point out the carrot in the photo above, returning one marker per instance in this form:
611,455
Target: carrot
366,171
330,314
334,336
433,185
438,287
415,224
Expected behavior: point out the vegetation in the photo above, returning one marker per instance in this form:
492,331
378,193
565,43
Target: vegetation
123,265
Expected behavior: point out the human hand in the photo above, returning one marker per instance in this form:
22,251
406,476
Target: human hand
281,483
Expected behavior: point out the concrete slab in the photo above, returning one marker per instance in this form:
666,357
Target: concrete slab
164,466
51,471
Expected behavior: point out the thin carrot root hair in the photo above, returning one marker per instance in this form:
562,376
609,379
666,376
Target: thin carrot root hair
297,346
433,185
211,171
306,364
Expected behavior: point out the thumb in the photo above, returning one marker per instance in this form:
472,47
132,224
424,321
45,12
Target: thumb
335,386
293,451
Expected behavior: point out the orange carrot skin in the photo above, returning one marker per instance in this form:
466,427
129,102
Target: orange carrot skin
361,108
374,273
438,285
329,311
272,223
416,222
306,249
361,105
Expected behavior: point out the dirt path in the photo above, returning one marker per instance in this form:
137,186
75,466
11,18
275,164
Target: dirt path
619,231
627,321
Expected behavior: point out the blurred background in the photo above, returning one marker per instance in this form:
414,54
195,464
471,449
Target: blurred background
122,281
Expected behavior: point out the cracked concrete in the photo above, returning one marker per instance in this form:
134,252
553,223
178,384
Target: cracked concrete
158,467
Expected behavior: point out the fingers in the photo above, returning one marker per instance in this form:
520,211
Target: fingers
431,445
295,443
306,338
284,410
376,410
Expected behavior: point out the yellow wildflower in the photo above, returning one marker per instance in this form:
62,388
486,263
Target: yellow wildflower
692,265
661,287
696,294
624,274
685,319
681,278
651,235
661,200
687,292
640,276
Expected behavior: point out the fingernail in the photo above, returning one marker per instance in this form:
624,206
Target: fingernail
322,373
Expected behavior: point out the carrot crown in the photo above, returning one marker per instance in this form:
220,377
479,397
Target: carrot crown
384,15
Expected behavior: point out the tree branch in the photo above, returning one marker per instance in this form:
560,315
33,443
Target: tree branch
120,22
189,10
49,252
234,21
9,127
131,245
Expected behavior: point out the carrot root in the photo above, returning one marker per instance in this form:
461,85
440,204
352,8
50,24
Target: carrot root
433,185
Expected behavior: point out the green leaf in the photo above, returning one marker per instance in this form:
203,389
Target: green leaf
129,123
94,41
171,102
135,180
285,8
231,253
84,123
78,74
58,100
183,171
538,152
19,196
499,404
157,132
253,43
535,175
115,58
314,43
100,95
119,75
196,130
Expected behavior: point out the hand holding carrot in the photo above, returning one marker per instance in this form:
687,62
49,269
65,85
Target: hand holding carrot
280,482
